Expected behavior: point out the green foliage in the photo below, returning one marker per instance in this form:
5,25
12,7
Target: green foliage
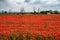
49,38
28,36
1,36
43,12
56,12
21,36
38,37
16,37
22,13
11,37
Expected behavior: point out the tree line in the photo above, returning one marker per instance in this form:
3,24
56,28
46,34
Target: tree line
22,11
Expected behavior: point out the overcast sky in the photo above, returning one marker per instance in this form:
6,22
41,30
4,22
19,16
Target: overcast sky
16,5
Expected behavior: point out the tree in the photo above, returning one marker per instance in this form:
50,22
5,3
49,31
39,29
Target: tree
51,11
22,10
2,11
43,12
5,12
38,10
34,10
10,11
56,12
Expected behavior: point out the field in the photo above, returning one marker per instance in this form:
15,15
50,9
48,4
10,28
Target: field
35,24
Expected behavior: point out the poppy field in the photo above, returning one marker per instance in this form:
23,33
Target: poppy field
30,27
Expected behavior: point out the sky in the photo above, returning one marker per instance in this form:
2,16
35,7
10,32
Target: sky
29,5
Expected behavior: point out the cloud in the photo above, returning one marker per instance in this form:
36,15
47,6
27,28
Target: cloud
27,1
2,0
16,5
51,1
32,1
